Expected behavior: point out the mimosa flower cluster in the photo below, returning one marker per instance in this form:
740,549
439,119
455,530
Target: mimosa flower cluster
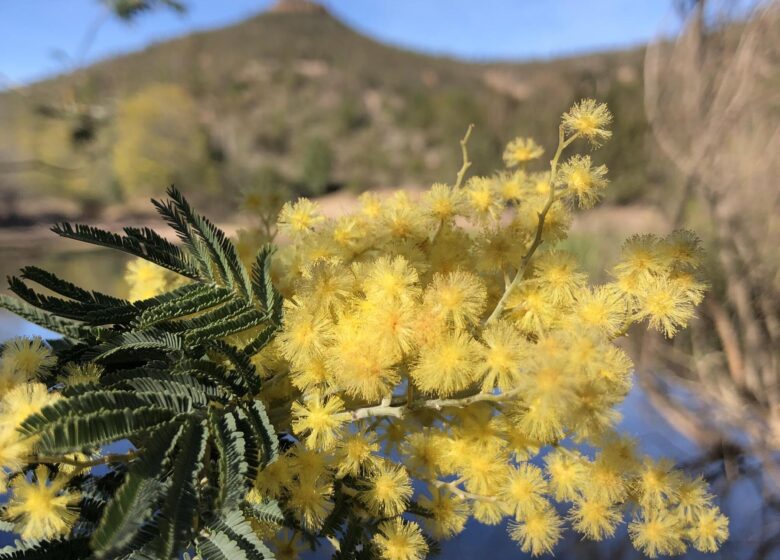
441,358
447,339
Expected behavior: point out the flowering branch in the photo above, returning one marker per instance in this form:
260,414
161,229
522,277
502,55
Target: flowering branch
562,144
434,404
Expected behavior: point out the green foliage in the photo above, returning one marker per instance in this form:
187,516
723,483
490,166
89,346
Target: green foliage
176,385
316,165
130,9
155,126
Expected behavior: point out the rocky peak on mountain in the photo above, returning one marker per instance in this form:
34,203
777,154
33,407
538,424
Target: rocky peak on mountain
297,7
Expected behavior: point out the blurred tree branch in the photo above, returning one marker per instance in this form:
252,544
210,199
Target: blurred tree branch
712,99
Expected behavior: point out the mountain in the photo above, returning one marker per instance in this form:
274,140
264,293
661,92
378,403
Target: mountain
295,96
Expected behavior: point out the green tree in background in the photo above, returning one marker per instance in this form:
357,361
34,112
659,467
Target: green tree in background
155,127
317,165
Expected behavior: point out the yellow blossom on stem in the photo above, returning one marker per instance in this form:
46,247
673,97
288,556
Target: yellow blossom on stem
589,119
311,500
665,305
447,366
484,201
25,358
356,454
299,217
444,202
595,518
522,150
566,471
389,490
524,490
400,540
449,513
657,532
23,401
501,356
583,181
458,296
538,531
710,530
320,420
42,509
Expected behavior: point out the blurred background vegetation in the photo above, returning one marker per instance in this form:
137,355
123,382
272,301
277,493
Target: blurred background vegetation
295,102
327,109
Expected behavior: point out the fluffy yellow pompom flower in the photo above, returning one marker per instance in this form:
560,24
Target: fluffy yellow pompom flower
13,449
423,453
306,333
146,279
389,490
604,480
391,279
23,401
457,296
658,483
601,308
484,202
582,180
444,202
298,217
595,518
522,150
501,356
271,481
566,471
710,530
665,305
80,374
556,272
538,532
449,513
524,490
41,509
326,282
310,498
641,257
24,358
400,540
589,119
512,185
356,454
483,472
448,365
693,498
320,420
682,248
657,532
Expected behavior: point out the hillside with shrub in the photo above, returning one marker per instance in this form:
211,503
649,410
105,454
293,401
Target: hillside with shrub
295,98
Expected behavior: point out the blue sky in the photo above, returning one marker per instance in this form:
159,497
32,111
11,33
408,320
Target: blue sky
41,37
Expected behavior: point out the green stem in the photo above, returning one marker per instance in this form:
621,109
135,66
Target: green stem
466,162
562,144
111,458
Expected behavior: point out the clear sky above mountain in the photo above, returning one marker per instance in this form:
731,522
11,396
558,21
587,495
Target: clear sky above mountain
44,37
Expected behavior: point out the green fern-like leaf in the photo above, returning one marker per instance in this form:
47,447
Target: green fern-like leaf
135,501
177,516
231,538
173,381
